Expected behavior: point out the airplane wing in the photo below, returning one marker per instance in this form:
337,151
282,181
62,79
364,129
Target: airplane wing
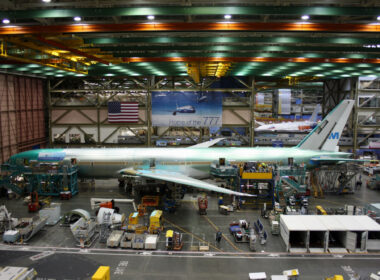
207,143
179,178
335,159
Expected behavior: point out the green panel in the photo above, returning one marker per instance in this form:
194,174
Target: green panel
136,48
268,69
325,70
215,39
179,11
249,54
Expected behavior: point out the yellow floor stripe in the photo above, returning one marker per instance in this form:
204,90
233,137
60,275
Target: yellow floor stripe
217,229
223,235
196,237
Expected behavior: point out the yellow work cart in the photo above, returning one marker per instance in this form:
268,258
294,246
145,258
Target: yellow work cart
155,222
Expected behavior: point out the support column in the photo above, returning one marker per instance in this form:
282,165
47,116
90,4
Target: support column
49,113
148,111
98,117
355,96
252,114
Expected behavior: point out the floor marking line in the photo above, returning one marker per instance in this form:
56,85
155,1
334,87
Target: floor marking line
217,229
235,256
122,252
200,239
224,236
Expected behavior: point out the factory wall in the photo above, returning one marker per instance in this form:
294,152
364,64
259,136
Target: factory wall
78,121
22,116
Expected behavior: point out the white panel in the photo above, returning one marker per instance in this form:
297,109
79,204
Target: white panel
284,101
373,244
351,241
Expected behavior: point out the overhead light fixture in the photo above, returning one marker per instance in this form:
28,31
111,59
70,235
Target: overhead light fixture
305,17
6,21
150,17
77,18
378,18
46,1
227,16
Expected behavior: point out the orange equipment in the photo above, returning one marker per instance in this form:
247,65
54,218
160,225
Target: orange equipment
141,209
174,240
150,201
34,204
202,205
109,204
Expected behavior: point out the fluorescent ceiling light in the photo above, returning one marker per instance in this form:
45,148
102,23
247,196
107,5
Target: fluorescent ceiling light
77,18
6,21
150,17
46,1
227,16
378,18
305,17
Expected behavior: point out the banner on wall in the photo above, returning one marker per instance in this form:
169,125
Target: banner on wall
186,108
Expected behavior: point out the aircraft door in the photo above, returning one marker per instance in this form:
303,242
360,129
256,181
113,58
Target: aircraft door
152,163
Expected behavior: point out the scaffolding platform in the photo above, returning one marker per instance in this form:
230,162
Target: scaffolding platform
223,169
337,179
47,178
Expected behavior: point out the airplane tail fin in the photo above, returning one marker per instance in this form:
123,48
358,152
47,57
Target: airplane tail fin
314,116
326,135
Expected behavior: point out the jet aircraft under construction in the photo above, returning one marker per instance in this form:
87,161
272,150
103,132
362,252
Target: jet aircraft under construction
187,166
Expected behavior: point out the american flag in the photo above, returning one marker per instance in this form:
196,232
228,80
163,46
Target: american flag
123,112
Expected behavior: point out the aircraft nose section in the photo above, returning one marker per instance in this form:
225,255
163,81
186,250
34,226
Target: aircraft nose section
28,155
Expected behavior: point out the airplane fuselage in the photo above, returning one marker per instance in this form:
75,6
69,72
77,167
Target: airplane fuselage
289,126
194,162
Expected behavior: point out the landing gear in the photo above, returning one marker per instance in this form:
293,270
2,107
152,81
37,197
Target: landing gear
121,183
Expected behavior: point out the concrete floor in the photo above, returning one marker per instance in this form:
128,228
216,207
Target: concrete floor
225,260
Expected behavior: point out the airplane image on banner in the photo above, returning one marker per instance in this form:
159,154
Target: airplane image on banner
187,166
291,126
188,109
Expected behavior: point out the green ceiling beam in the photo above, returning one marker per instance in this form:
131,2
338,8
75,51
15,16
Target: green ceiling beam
236,40
238,48
202,11
244,69
328,70
249,54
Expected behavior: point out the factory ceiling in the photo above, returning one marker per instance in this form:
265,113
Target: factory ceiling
324,39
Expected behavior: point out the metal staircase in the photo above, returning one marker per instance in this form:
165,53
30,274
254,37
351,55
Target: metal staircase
293,184
293,178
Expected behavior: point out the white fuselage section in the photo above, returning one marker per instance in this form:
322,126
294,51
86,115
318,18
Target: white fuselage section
193,162
287,126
